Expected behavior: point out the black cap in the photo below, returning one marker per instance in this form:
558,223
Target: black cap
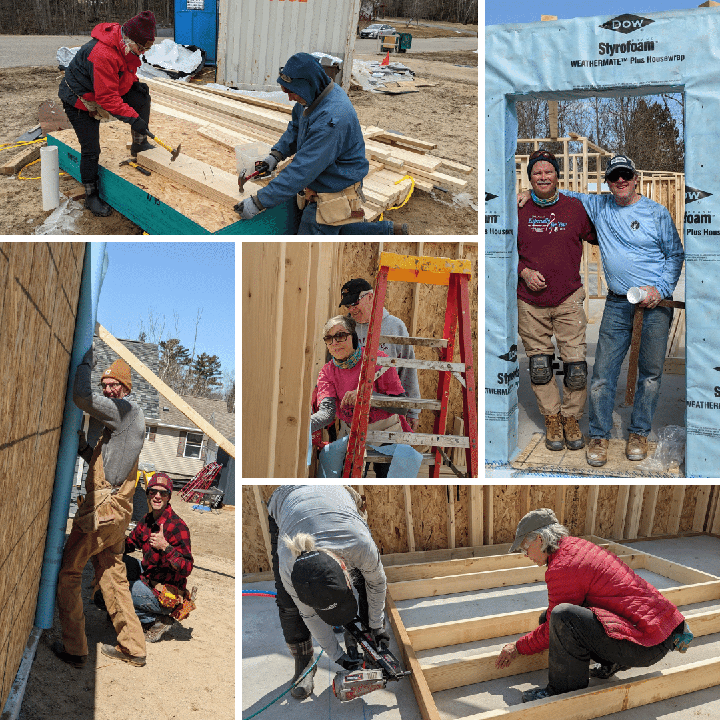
319,582
618,162
351,290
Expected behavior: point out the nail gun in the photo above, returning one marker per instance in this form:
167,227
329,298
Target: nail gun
380,664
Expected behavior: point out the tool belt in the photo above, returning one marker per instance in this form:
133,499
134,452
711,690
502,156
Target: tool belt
338,208
96,111
170,596
101,507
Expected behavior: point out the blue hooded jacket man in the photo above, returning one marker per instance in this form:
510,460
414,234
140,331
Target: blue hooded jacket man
325,137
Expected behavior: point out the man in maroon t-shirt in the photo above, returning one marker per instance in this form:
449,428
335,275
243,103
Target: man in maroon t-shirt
550,294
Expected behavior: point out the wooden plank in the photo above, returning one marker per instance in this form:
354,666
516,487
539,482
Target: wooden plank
615,696
475,516
489,523
456,166
421,364
621,500
20,160
264,523
409,518
227,138
560,503
164,389
675,571
387,136
451,516
423,696
379,436
633,512
425,342
647,518
591,509
701,507
676,506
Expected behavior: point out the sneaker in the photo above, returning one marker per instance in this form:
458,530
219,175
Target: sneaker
161,625
637,447
606,670
596,454
573,437
77,661
554,439
537,694
118,654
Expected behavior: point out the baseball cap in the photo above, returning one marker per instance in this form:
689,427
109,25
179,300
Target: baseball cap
319,582
619,161
534,520
352,289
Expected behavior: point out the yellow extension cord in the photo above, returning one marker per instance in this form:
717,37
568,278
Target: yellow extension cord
397,207
21,144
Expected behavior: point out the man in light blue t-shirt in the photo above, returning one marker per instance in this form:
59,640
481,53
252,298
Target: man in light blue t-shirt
639,247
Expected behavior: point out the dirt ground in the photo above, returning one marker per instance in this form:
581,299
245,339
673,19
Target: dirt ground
446,114
189,674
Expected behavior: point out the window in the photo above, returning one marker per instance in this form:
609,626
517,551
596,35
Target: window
150,433
193,446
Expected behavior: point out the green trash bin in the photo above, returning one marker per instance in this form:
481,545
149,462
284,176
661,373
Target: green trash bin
403,41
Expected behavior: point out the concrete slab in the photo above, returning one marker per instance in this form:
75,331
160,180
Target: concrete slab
267,668
702,553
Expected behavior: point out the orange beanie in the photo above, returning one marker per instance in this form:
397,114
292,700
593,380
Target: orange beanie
119,371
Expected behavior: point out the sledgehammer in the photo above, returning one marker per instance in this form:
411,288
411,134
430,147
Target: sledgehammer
173,153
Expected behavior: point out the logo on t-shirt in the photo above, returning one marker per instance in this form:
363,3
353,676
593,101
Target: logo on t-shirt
634,224
545,224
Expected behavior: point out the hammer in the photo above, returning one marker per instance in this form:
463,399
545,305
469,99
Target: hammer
133,164
261,170
173,153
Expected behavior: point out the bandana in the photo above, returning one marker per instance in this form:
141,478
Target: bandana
349,362
545,203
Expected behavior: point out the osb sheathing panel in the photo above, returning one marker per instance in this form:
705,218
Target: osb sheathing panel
386,517
688,511
39,287
662,510
360,260
605,516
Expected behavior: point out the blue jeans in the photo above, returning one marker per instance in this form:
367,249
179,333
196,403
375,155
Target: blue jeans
613,343
147,606
310,226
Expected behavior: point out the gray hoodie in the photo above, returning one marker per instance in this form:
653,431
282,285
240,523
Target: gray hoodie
392,325
124,418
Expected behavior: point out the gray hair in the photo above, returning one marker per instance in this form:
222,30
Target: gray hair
347,322
550,537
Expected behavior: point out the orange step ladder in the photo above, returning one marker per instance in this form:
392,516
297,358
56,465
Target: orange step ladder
433,271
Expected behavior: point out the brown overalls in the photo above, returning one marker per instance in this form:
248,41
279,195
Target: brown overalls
98,533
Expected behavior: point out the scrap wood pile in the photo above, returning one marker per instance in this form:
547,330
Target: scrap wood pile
231,119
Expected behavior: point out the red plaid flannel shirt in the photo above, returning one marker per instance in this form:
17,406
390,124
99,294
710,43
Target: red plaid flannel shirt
170,566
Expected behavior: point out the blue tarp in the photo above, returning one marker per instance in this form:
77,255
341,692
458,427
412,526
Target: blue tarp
677,51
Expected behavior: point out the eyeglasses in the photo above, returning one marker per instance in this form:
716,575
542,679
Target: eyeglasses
111,386
624,173
339,337
153,491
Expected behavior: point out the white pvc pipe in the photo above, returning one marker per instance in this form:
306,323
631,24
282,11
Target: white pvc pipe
50,177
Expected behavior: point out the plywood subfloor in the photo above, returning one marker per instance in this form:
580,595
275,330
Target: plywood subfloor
536,458
114,136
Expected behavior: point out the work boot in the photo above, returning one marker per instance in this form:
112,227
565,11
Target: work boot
573,437
401,229
139,143
161,625
77,661
94,203
303,654
117,653
606,670
554,439
537,694
596,454
636,448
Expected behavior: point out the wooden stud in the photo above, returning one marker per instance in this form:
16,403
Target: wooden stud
488,532
475,515
621,501
409,518
647,518
591,509
702,501
633,511
451,516
560,503
676,507
264,524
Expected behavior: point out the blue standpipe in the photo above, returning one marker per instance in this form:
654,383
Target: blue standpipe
94,268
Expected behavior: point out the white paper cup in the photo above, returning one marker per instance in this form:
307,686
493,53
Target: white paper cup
636,295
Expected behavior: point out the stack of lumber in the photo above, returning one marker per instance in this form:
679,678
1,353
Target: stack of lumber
231,119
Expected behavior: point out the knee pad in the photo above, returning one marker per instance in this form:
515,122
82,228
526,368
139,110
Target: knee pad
575,375
541,369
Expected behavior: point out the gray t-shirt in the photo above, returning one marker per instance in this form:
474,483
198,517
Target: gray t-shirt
329,514
124,418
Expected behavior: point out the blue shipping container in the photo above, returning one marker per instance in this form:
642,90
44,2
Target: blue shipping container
196,24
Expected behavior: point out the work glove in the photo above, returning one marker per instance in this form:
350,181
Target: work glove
347,663
273,159
380,636
248,208
138,125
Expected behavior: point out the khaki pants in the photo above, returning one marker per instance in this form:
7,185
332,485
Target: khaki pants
105,547
567,322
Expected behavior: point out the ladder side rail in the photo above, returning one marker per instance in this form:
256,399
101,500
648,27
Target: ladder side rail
468,393
443,386
354,460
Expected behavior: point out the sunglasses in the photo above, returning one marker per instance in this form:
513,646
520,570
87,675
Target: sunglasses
339,337
625,174
162,493
541,154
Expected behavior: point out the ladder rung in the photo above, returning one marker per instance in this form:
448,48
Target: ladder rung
376,457
426,342
381,436
388,401
421,364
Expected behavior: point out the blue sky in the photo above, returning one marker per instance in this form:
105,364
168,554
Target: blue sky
499,12
167,277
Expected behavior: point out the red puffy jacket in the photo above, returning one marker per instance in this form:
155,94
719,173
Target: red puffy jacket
101,71
629,608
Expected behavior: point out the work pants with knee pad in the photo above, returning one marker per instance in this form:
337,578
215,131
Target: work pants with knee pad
293,626
577,637
567,322
87,129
